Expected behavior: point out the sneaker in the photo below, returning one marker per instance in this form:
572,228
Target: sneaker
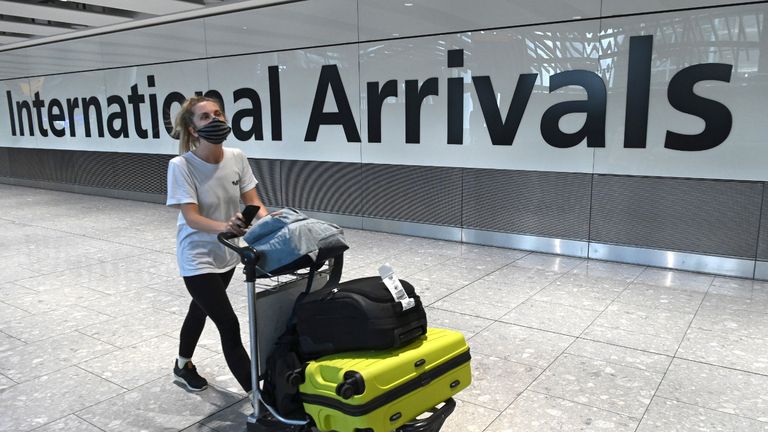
189,377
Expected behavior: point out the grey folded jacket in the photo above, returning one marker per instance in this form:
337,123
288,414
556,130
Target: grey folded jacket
289,236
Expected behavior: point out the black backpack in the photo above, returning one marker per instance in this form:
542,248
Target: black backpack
283,373
359,314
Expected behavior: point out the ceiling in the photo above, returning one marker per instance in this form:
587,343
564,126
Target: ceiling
26,20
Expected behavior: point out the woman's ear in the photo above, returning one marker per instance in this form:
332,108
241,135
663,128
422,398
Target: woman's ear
193,132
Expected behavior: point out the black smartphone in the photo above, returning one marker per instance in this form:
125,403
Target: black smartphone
249,212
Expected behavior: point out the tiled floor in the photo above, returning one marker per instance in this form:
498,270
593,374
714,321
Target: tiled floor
90,308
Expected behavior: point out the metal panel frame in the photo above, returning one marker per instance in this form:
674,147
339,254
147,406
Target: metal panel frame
346,221
388,193
673,260
86,190
747,267
698,216
761,270
413,229
525,242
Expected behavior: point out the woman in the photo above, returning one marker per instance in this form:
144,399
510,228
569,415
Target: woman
206,182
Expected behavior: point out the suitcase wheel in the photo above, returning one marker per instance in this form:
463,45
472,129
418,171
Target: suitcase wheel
353,384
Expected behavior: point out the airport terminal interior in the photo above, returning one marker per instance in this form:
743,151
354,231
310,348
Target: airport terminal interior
578,187
91,305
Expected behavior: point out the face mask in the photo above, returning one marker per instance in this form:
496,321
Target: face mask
215,132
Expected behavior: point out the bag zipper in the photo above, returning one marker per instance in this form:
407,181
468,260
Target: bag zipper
330,294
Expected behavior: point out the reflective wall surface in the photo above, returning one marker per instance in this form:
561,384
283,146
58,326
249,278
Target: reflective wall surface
622,125
498,58
729,36
387,19
428,111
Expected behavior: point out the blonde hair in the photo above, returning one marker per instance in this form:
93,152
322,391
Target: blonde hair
184,121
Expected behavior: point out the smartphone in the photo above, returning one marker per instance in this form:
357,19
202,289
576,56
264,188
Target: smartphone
249,212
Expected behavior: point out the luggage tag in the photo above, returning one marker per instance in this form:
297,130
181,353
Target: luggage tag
394,286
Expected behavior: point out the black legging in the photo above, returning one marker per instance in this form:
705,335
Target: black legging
209,298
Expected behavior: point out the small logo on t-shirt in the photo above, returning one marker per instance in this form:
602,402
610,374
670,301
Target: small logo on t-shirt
235,182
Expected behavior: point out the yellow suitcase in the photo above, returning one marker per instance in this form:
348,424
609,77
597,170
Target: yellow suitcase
379,391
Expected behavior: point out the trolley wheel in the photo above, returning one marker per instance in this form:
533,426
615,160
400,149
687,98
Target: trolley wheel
434,422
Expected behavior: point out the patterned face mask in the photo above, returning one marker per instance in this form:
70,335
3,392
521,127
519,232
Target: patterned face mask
215,132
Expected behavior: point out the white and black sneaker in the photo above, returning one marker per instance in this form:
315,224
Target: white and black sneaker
189,377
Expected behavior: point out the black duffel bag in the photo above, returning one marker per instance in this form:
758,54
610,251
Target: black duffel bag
360,314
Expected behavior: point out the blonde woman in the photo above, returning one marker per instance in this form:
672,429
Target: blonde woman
206,182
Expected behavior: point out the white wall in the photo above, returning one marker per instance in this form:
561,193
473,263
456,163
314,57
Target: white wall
377,41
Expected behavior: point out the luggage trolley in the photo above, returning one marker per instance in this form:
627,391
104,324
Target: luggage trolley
274,305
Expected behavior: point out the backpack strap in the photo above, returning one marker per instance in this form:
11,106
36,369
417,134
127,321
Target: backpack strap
310,278
338,264
333,278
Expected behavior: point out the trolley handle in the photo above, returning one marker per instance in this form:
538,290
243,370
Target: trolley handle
248,255
225,237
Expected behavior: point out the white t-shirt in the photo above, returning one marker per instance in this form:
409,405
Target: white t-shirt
216,189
